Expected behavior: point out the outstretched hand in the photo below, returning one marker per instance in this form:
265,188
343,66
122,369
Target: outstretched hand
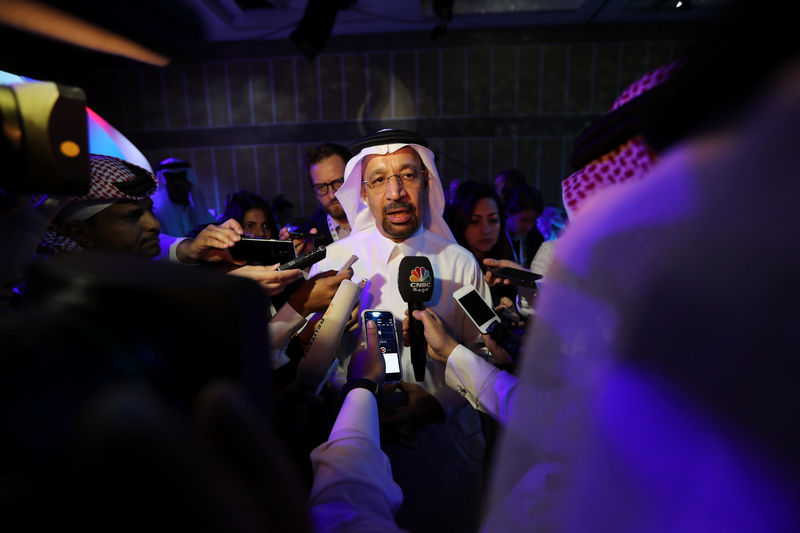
269,277
492,280
368,363
211,244
440,343
315,295
301,246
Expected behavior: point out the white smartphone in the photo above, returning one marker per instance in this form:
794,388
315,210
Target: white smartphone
348,264
476,308
387,340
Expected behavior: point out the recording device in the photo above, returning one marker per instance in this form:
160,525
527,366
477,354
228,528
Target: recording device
387,341
476,308
517,276
306,260
348,264
415,283
263,251
486,320
44,140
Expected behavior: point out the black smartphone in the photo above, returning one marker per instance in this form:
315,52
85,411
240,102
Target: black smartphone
263,251
306,260
525,278
387,340
301,235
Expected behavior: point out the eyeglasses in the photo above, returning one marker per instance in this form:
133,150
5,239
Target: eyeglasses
321,189
408,179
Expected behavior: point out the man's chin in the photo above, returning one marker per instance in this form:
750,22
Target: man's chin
150,248
400,231
336,211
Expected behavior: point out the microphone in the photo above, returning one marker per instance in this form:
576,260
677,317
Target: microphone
415,282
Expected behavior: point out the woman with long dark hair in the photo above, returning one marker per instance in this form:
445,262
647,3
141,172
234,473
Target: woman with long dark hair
478,221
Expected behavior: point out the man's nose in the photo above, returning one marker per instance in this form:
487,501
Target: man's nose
396,189
150,222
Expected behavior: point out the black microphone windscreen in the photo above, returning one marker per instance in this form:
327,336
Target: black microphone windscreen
415,279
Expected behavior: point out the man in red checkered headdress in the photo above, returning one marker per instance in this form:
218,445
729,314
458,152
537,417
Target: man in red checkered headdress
116,215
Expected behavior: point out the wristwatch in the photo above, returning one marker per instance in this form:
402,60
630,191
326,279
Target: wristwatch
362,383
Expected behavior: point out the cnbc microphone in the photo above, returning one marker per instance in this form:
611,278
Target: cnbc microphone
415,282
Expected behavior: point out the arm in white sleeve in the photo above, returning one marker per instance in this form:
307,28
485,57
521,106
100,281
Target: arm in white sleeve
544,256
169,247
486,387
353,488
283,325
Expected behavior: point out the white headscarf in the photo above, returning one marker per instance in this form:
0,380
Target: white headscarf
356,208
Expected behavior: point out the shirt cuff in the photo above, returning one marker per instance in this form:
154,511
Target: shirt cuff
358,417
173,251
485,387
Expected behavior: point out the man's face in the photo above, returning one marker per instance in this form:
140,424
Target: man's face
326,171
520,223
255,224
126,226
499,185
398,208
178,186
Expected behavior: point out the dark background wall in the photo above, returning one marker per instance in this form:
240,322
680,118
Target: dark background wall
486,100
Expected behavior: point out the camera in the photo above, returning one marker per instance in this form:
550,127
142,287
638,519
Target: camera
44,144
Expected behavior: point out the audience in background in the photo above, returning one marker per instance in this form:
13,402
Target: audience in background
511,177
253,214
551,222
523,205
179,203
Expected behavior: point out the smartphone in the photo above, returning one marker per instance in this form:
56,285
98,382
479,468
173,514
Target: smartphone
476,308
387,340
348,264
305,261
300,235
517,276
263,251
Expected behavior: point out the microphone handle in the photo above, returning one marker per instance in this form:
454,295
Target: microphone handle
419,348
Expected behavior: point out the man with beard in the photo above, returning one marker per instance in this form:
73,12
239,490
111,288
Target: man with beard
324,166
393,198
116,215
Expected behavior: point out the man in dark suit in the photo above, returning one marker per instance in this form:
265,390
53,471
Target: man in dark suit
324,166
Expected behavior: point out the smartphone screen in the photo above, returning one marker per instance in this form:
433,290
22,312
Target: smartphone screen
476,308
387,340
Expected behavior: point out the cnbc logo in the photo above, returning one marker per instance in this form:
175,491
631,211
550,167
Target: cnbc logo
420,279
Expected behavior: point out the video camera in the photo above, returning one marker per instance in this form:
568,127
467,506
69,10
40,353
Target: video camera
44,144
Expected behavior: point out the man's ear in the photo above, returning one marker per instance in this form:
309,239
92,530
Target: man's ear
78,231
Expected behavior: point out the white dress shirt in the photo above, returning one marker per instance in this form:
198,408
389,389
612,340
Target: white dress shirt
378,262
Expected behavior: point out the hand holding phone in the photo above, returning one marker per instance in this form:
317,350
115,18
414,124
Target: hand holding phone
387,340
517,276
367,363
263,251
